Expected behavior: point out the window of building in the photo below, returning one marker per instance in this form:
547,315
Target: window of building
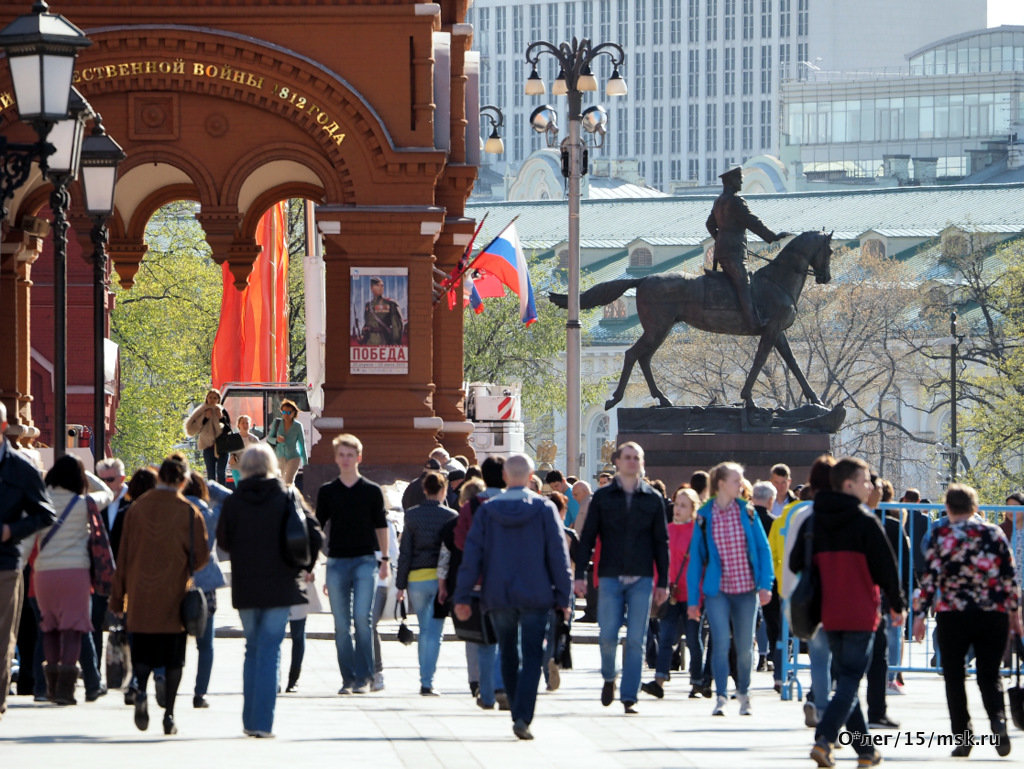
677,171
641,257
623,23
711,21
485,81
658,76
483,20
712,73
801,55
748,19
873,248
570,20
676,131
499,30
641,168
563,259
501,82
729,26
801,18
748,70
748,126
766,124
728,126
692,128
692,21
518,87
605,17
535,14
658,21
784,18
638,83
711,129
693,169
766,19
517,29
588,19
517,142
621,132
616,310
658,130
676,75
552,20
640,28
729,74
785,62
640,130
693,73
712,170
766,69
658,173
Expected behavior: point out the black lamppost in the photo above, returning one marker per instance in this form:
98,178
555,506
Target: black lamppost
100,158
494,145
574,77
41,48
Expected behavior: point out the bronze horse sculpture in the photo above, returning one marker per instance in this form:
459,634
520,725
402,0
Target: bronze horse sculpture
709,303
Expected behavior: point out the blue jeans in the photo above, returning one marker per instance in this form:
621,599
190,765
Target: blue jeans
629,604
488,669
895,640
740,611
350,588
851,655
520,635
204,645
670,630
91,653
264,631
821,669
216,467
421,596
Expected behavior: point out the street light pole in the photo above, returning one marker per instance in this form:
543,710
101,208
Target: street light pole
954,449
574,77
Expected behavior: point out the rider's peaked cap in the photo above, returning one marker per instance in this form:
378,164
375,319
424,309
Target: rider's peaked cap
734,174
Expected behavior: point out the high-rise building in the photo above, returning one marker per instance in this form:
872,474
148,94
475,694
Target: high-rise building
704,76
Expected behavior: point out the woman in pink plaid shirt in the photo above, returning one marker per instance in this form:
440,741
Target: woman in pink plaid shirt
730,561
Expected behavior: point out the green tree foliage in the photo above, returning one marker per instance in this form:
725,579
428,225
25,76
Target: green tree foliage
165,328
296,243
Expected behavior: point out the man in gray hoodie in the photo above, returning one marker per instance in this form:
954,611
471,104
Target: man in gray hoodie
516,548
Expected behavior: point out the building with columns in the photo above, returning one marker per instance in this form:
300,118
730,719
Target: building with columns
238,104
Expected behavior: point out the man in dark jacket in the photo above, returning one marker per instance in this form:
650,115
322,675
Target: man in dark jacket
629,517
25,508
854,558
517,549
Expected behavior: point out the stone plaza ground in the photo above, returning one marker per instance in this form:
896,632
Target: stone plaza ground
398,727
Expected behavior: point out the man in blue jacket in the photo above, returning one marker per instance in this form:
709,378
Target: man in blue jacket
516,548
629,517
25,508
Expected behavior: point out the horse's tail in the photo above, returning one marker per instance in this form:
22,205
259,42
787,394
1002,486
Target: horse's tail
599,295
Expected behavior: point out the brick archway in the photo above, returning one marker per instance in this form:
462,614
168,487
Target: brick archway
241,107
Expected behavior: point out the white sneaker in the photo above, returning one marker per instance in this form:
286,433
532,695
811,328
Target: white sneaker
378,682
745,709
893,688
720,702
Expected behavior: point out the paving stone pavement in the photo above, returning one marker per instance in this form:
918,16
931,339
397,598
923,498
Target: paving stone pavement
398,727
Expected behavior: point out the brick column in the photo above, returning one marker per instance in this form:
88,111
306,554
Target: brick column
392,415
20,249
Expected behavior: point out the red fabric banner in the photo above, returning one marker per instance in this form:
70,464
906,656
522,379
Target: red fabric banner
252,339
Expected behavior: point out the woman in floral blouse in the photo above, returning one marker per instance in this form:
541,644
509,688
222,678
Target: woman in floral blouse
969,581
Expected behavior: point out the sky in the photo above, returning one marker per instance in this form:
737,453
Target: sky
1005,12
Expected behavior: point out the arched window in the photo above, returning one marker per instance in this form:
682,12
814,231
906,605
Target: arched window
641,257
599,433
873,248
615,310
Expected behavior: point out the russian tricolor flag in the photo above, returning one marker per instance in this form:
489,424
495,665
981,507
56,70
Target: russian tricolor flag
503,259
471,297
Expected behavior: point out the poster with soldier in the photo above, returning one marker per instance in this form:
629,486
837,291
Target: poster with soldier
379,339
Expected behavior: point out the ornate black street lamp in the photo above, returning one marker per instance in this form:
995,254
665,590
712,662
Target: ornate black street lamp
41,48
100,158
494,145
574,77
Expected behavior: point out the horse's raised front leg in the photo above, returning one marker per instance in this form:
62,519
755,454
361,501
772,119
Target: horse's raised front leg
763,348
782,345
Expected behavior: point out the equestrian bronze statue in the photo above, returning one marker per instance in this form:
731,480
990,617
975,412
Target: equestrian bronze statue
709,302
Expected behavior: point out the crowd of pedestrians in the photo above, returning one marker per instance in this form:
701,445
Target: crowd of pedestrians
694,581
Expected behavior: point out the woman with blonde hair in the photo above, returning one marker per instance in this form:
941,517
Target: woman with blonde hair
207,423
730,561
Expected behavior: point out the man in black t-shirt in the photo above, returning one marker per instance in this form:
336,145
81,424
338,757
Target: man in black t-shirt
351,511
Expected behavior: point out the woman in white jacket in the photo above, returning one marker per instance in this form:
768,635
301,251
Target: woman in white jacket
207,423
61,573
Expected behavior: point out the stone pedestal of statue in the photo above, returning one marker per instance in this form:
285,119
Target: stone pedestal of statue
678,441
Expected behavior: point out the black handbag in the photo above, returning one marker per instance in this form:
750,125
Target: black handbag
477,629
405,634
228,443
194,611
1015,694
805,600
295,534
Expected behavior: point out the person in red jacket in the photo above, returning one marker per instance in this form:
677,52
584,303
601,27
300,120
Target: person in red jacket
854,558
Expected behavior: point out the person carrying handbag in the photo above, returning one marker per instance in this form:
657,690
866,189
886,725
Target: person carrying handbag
288,441
207,423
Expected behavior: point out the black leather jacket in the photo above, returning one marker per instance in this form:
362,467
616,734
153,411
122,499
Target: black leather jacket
24,504
634,538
